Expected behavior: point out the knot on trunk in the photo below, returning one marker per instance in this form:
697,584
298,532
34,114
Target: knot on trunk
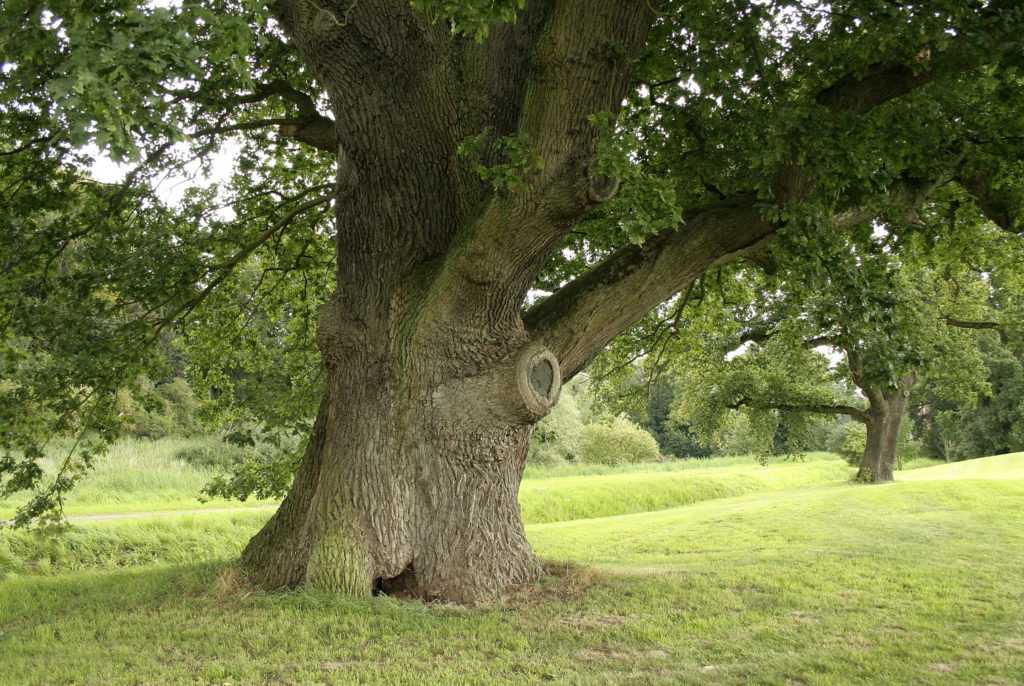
538,380
519,390
600,188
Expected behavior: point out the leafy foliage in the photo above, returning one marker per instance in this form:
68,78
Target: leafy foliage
471,17
615,442
556,437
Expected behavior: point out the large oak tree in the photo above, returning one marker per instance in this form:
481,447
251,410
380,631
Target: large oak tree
471,152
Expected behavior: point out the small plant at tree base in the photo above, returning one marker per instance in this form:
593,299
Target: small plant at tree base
851,448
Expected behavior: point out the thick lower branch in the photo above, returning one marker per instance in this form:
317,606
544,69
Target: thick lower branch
581,318
1005,209
848,410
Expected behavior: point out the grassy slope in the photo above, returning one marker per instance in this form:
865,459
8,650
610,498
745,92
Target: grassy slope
585,497
997,467
907,583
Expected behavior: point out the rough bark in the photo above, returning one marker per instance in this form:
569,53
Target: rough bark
883,419
414,495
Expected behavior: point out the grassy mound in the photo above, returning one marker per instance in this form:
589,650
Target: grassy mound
566,498
1006,466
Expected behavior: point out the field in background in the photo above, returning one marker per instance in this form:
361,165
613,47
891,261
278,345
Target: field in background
142,475
138,475
915,582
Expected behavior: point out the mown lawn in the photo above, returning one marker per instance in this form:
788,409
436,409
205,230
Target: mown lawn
917,582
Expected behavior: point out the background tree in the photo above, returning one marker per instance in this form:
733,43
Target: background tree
461,158
954,428
897,311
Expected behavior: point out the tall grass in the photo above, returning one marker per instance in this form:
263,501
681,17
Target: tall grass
136,475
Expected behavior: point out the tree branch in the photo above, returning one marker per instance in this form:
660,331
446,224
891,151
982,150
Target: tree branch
310,127
1001,207
994,326
882,82
227,267
581,58
848,410
635,279
582,317
318,133
582,66
766,264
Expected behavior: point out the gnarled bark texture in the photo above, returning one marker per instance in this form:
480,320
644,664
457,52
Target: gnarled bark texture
883,419
410,480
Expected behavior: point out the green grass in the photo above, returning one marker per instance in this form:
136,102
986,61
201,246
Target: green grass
177,538
137,475
997,467
557,499
915,582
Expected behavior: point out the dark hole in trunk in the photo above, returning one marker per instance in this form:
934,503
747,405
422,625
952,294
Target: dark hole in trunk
542,377
402,586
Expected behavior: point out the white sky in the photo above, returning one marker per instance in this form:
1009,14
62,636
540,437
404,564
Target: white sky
171,187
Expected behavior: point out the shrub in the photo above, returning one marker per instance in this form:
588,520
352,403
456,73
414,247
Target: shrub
616,442
851,445
556,437
681,443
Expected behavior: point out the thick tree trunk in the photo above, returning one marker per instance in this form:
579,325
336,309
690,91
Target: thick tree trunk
411,487
411,477
883,418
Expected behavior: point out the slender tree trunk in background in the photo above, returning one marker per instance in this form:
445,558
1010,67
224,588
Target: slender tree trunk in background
884,417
